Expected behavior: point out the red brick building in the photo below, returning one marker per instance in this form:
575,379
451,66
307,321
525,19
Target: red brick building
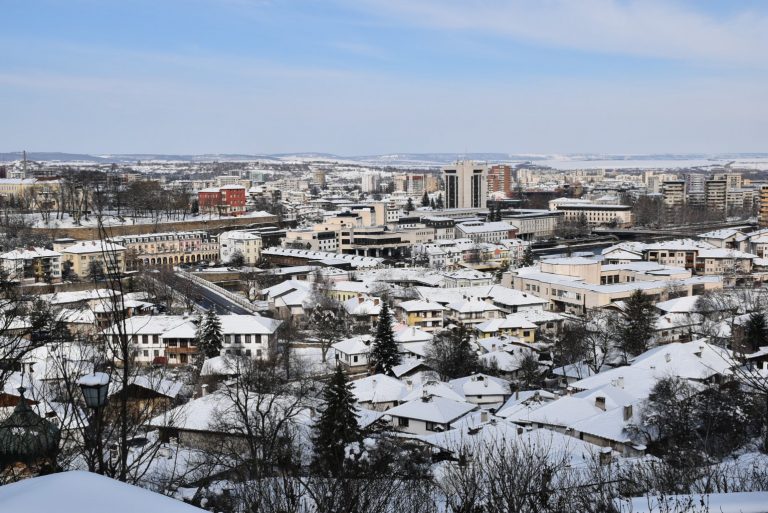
228,200
500,180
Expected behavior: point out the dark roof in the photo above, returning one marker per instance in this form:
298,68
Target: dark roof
27,437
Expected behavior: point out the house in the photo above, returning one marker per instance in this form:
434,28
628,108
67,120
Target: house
471,312
425,315
379,392
508,362
513,325
482,389
363,310
170,339
289,299
32,265
148,394
228,200
353,352
87,257
218,418
428,414
238,242
466,278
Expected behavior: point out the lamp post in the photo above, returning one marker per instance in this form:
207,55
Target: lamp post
95,389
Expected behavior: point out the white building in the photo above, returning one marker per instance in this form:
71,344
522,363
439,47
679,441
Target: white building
32,264
245,243
466,185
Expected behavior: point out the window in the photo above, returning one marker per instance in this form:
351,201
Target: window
146,353
433,426
403,422
354,359
247,339
237,339
145,339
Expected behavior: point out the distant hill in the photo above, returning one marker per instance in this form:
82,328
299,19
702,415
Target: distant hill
390,159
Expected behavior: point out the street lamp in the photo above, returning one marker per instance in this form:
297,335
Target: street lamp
95,388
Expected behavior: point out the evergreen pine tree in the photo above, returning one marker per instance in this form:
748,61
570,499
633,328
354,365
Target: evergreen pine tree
384,354
637,325
527,259
409,206
425,200
755,332
208,338
451,354
440,204
337,426
432,204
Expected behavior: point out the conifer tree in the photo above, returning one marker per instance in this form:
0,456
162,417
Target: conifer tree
425,200
432,204
409,206
440,204
208,338
337,426
637,326
384,354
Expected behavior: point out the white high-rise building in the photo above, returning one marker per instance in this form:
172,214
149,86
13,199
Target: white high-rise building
370,182
466,185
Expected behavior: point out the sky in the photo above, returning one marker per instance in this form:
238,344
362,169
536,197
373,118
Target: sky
360,77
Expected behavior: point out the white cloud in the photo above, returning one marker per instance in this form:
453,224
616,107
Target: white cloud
647,28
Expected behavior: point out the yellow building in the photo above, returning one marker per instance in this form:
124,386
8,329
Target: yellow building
425,315
86,255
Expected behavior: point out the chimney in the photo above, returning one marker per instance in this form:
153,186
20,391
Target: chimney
493,347
203,390
409,384
627,412
600,402
668,357
620,382
606,454
483,416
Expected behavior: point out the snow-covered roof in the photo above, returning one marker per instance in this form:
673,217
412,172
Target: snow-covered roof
151,324
420,306
92,246
725,253
223,365
432,409
471,305
568,410
722,234
360,344
497,433
410,334
506,360
494,325
363,306
84,492
167,387
685,304
433,387
480,384
379,388
29,254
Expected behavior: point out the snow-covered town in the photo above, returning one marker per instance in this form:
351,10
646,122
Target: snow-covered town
246,267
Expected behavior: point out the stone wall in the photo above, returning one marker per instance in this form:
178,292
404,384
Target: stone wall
92,232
